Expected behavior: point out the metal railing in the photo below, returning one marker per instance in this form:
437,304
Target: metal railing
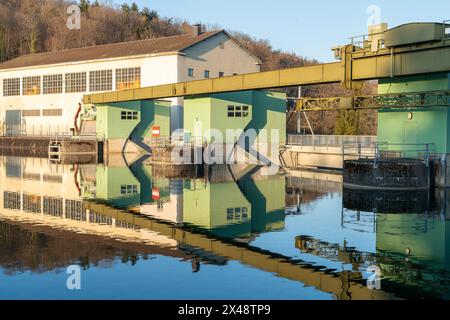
396,151
58,136
328,141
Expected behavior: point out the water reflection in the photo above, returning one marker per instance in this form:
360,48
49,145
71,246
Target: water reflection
301,228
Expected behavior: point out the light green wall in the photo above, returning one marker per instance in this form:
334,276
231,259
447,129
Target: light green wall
427,126
150,113
428,239
153,113
197,114
267,197
206,205
267,110
270,112
108,186
109,122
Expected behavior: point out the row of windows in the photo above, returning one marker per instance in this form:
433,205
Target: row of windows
54,207
100,80
238,111
206,73
45,113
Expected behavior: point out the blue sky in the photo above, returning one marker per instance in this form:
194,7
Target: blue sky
309,28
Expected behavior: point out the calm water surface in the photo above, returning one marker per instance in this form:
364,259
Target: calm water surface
138,235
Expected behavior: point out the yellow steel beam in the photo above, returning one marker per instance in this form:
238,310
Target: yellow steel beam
323,73
357,65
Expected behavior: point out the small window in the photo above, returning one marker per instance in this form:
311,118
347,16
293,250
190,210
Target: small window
230,108
190,72
238,114
238,108
235,74
221,74
129,115
207,74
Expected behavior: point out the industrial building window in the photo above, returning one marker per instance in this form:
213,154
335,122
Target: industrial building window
128,115
221,74
53,206
11,87
237,214
190,72
31,113
75,210
207,74
31,86
52,112
76,82
100,80
128,78
12,200
238,111
53,84
128,189
32,203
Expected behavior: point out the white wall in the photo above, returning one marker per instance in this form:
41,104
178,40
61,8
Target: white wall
229,58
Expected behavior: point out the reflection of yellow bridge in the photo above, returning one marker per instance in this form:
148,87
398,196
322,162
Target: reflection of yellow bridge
343,285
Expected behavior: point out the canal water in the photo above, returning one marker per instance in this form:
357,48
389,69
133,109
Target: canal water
113,231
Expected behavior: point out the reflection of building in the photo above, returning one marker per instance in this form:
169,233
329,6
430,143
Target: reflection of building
236,210
35,185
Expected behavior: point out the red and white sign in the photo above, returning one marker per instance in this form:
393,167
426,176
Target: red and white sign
155,194
156,132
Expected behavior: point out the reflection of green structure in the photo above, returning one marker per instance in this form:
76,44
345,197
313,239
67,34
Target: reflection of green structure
231,211
425,238
427,125
116,122
117,186
236,110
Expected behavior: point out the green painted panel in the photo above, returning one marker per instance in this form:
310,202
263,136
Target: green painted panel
197,115
429,125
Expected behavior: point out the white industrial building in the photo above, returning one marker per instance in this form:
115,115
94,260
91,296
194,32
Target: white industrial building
40,93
